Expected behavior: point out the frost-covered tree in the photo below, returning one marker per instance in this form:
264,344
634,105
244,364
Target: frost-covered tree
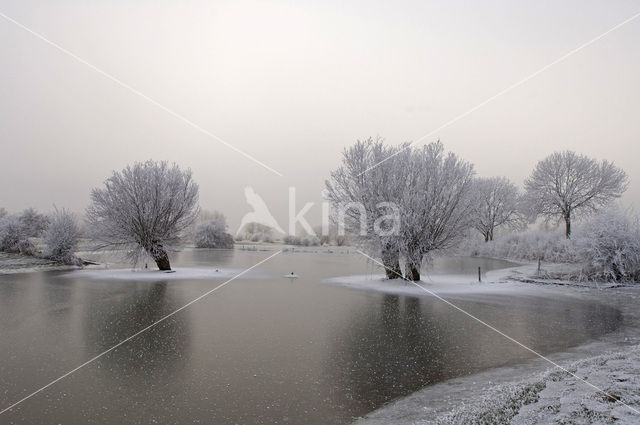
33,223
144,208
3,213
497,204
609,245
566,184
206,215
213,234
436,205
255,232
428,189
361,192
61,237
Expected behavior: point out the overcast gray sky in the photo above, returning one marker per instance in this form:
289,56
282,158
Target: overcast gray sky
293,83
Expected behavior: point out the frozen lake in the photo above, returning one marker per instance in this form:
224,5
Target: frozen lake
261,350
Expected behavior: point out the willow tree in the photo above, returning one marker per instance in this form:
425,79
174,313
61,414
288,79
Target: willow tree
436,206
364,191
565,184
403,202
145,208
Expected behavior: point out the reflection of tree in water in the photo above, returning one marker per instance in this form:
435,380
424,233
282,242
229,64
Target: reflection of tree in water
369,366
158,350
204,258
411,342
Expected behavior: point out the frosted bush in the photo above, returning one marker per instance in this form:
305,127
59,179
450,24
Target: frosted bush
291,240
11,234
212,234
255,232
531,245
309,240
61,238
33,223
15,231
609,244
26,247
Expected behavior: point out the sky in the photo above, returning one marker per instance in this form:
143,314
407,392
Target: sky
293,83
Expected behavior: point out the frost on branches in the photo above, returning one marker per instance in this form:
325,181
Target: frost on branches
17,229
212,234
566,183
33,223
497,205
402,202
361,193
436,206
609,246
144,208
61,238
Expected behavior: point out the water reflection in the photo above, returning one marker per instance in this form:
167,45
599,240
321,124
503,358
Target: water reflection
260,350
160,348
426,341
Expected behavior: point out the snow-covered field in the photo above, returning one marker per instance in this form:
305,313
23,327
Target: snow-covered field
536,392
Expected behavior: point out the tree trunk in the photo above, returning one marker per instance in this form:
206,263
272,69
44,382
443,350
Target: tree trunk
391,261
160,256
412,266
412,271
567,222
486,236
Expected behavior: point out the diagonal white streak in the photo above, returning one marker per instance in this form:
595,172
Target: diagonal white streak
139,93
506,90
611,397
91,360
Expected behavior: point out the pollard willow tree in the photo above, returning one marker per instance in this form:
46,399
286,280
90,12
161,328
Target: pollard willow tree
144,208
566,184
436,206
428,190
497,205
363,191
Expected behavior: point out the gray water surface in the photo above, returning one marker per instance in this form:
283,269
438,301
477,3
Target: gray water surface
264,350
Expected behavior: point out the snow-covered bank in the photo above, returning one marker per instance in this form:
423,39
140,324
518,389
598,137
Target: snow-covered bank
178,273
18,263
494,282
535,392
552,397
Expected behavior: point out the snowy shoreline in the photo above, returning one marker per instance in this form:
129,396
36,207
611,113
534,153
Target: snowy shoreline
536,391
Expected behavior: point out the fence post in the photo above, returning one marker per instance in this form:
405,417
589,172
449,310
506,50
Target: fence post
479,275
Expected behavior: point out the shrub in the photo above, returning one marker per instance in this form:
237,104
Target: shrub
255,232
26,247
309,240
212,234
609,244
33,223
291,240
532,245
61,238
11,234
